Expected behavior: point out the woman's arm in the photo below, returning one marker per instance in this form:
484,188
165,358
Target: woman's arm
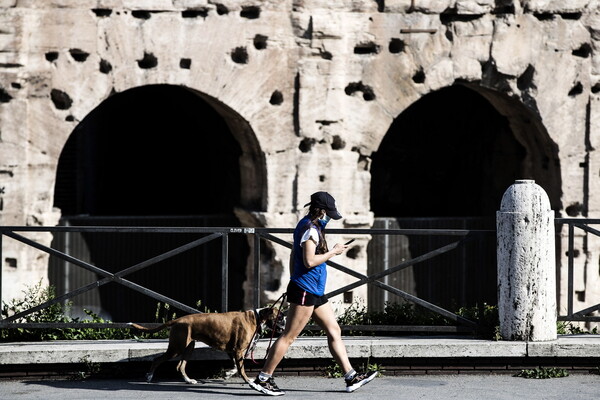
312,260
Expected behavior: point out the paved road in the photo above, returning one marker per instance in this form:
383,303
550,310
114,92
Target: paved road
463,387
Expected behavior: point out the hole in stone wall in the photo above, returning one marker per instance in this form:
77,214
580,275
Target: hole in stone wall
419,76
325,122
449,35
596,88
69,118
202,12
260,42
239,55
396,46
222,10
276,98
326,55
353,252
503,7
321,178
306,145
51,56
574,209
102,12
105,67
584,51
451,16
16,85
337,143
61,100
544,16
571,16
79,55
577,89
185,63
366,48
380,5
575,253
4,96
141,14
149,61
525,81
363,163
10,262
250,12
354,87
580,295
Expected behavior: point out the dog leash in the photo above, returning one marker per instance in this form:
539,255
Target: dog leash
259,329
282,298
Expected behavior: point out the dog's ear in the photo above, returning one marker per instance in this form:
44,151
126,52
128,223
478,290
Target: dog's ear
263,313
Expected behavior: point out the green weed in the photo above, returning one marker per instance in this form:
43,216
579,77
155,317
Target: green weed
543,373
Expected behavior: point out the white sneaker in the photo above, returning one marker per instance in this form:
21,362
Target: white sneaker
360,379
267,387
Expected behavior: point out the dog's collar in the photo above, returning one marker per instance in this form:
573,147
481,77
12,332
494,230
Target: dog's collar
260,324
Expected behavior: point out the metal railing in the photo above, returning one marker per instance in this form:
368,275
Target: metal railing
584,225
260,234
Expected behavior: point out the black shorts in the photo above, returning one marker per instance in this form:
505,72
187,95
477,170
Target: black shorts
297,295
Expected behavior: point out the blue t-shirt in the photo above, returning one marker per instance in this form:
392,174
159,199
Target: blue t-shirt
313,279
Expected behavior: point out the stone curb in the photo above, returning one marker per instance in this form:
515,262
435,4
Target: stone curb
110,351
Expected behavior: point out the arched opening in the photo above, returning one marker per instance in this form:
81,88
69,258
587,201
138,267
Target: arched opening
445,163
156,155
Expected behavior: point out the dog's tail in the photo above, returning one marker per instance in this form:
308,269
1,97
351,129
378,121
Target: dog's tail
148,330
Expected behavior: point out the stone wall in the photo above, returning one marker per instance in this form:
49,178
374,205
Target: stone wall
310,89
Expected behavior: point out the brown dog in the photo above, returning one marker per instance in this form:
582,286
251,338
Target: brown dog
231,332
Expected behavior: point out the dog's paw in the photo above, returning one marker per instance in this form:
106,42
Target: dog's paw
149,377
191,381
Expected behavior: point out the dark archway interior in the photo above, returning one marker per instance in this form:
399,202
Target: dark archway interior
154,150
451,154
152,156
445,163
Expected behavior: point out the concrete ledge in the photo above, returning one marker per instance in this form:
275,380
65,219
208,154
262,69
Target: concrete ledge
567,346
111,351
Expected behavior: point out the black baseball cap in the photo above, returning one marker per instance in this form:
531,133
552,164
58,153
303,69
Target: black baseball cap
325,201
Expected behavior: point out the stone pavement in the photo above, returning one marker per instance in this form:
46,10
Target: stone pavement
463,387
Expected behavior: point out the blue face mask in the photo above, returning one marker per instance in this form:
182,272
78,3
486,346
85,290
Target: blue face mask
323,221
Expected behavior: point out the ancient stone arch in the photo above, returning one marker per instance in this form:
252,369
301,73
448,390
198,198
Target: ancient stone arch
445,163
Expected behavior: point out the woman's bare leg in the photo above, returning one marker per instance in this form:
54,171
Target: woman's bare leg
325,318
297,318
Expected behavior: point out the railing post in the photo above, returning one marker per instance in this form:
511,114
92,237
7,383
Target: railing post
526,264
225,272
571,270
1,269
256,293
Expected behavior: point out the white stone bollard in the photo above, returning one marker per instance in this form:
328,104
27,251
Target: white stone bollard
526,264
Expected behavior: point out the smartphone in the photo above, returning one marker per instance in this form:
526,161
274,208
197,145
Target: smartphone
349,241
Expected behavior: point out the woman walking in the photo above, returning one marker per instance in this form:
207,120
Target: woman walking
305,293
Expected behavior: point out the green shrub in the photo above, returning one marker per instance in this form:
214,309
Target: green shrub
57,313
543,373
334,371
485,316
567,328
